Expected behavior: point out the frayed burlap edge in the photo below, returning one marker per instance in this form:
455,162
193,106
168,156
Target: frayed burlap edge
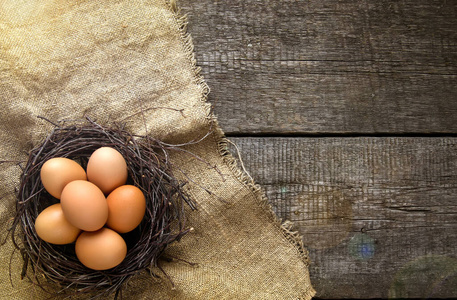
285,228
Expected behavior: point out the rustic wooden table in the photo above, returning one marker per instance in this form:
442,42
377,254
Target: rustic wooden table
345,112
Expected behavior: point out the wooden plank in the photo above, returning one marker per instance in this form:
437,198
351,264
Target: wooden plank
298,67
378,215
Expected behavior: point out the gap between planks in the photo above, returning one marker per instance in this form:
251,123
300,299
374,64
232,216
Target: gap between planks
339,134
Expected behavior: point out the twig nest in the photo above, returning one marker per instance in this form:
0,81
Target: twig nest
98,254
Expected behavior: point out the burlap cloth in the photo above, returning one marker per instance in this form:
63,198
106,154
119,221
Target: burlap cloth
131,61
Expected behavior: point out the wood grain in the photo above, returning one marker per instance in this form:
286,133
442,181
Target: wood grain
379,215
325,67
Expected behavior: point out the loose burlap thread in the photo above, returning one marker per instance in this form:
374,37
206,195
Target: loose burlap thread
132,62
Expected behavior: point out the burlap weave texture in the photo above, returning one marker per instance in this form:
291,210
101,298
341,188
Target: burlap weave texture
131,62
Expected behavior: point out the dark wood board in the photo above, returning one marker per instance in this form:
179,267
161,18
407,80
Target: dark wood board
328,67
378,215
294,82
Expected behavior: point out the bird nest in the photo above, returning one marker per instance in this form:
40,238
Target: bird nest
149,168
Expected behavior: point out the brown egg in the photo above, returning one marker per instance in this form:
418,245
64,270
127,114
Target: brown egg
84,205
107,169
126,208
58,172
52,226
100,250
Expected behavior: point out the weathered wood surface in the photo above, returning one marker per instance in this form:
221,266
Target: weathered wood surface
328,66
379,214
